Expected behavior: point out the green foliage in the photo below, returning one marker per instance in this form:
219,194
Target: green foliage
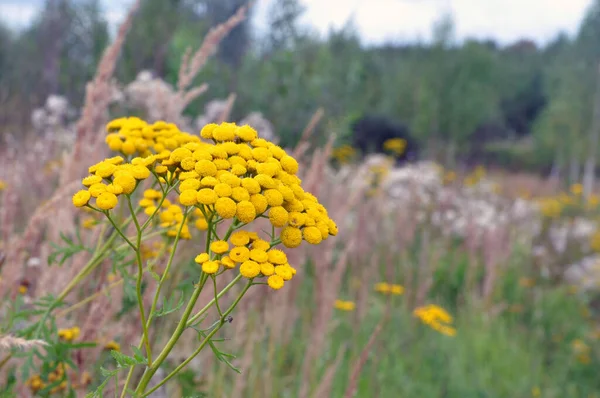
507,354
169,306
445,91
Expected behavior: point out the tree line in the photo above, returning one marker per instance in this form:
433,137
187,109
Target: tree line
522,105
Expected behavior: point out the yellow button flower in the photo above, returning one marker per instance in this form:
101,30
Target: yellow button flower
106,201
219,247
291,237
210,267
312,235
206,196
240,238
249,269
225,207
245,211
239,254
275,282
81,198
278,216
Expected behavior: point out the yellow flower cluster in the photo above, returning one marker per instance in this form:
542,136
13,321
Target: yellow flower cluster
37,383
437,318
475,177
378,173
255,257
344,305
150,251
23,287
449,177
593,201
526,282
582,351
111,178
576,189
133,136
69,334
343,154
386,288
550,207
2,185
244,177
89,223
236,176
595,241
112,345
92,218
568,203
395,145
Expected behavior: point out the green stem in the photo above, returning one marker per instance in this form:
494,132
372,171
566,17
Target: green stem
181,326
207,307
216,294
140,275
275,242
137,224
166,272
100,236
119,230
152,235
222,321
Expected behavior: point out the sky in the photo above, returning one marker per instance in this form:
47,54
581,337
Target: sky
401,20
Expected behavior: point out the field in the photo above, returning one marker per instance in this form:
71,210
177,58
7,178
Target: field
139,256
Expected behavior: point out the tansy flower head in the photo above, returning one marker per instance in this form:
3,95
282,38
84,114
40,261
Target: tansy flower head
249,269
344,305
261,244
81,198
202,258
436,318
239,254
219,247
210,267
240,238
106,201
275,282
277,257
112,346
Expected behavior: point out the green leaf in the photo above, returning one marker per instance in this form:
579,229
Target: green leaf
80,345
123,360
98,392
62,254
223,357
198,322
108,373
139,355
154,275
168,306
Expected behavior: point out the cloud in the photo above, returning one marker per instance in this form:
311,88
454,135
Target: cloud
18,15
510,20
405,20
505,20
